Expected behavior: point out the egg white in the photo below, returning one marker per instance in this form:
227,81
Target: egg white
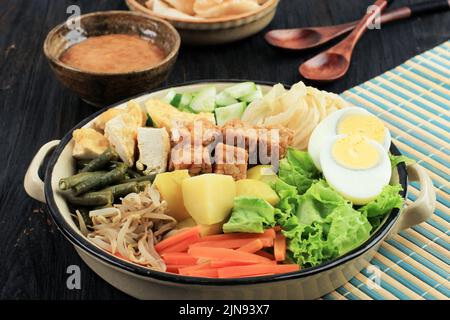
327,129
360,186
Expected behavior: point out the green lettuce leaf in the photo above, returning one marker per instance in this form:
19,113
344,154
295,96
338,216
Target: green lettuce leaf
377,209
396,160
320,224
250,215
348,229
298,170
318,202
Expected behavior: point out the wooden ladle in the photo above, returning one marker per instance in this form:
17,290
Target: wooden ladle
306,38
334,63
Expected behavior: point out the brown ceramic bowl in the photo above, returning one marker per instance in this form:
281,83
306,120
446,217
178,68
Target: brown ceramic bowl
102,89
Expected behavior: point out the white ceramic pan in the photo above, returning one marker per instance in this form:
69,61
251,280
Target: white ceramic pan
143,283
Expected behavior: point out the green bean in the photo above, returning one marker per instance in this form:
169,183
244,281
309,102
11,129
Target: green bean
121,190
90,199
101,161
133,174
82,163
142,178
143,184
69,182
95,183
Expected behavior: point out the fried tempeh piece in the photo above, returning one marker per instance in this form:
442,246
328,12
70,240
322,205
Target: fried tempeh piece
231,160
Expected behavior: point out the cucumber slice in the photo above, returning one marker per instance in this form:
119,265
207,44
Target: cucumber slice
225,114
170,95
258,94
241,90
176,100
223,99
185,101
205,100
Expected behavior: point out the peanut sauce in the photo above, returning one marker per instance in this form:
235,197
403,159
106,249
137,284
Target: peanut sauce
115,53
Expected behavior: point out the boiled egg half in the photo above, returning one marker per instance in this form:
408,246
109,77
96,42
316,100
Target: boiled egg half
348,121
356,167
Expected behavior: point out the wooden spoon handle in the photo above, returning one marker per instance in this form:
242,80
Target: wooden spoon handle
416,9
345,47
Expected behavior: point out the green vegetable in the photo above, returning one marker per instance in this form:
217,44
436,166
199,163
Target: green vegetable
149,121
81,163
396,160
241,90
143,184
149,178
114,176
321,225
176,100
121,190
298,170
101,161
318,202
258,94
250,215
90,199
69,182
205,100
170,96
223,99
133,174
225,114
388,199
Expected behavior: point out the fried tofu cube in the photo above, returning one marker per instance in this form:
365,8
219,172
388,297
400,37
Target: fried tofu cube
89,143
154,148
121,133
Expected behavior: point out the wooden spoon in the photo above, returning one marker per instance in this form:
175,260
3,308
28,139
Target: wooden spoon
334,62
306,38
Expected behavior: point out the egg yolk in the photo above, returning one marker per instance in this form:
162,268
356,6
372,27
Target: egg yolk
365,125
355,152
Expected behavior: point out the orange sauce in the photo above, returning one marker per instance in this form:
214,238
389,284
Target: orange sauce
115,53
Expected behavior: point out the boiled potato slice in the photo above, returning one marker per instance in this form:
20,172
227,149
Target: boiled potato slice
169,186
263,173
205,229
257,189
186,223
209,197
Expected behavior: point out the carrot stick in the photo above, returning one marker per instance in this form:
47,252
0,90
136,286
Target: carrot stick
225,263
179,258
181,246
174,268
233,243
252,246
265,254
256,269
187,270
176,238
268,233
277,228
207,273
279,248
225,254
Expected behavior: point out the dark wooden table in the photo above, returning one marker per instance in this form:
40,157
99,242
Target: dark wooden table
35,108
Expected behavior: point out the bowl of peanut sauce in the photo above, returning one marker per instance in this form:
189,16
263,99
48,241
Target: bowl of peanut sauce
105,57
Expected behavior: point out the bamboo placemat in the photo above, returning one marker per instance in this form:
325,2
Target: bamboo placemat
413,100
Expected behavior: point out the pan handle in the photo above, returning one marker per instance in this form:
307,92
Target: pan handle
423,208
34,186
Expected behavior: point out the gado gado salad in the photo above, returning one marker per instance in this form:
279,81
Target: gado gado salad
232,183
